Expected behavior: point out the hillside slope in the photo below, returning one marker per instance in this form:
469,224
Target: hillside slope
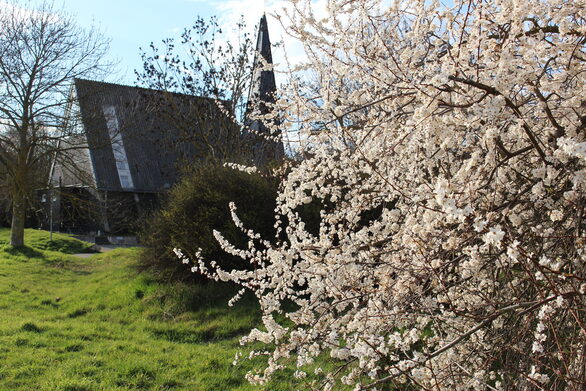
75,324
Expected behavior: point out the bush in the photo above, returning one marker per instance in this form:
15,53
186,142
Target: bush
198,205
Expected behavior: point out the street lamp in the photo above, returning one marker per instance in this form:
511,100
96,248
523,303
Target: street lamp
52,199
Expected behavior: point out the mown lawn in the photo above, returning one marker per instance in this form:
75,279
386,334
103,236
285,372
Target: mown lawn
75,324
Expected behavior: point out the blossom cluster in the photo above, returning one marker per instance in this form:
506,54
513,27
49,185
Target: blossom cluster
445,150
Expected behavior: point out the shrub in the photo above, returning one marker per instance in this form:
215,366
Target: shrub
196,207
447,144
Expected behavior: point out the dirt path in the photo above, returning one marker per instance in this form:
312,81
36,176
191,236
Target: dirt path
101,249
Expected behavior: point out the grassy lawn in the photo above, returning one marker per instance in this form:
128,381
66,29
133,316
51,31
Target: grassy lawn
75,324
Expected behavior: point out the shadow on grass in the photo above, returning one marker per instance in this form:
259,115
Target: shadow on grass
22,251
53,259
205,335
206,295
31,327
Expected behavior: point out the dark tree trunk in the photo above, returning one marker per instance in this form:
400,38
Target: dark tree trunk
17,227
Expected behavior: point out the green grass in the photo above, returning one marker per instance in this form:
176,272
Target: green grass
40,240
72,324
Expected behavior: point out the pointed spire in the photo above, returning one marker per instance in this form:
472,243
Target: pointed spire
262,94
263,82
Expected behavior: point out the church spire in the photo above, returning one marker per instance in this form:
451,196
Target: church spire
261,97
263,82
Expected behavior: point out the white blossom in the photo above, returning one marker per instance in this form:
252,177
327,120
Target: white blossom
445,150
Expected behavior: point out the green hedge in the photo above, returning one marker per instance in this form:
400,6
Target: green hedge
200,204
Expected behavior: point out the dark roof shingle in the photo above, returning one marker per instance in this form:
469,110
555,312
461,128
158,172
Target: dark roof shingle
159,131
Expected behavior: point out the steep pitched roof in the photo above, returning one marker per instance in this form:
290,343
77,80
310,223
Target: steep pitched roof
138,137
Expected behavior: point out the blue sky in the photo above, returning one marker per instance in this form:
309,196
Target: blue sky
131,24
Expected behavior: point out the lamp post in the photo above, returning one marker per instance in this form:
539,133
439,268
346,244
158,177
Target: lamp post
52,199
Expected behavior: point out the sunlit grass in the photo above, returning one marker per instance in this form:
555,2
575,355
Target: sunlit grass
75,324
40,240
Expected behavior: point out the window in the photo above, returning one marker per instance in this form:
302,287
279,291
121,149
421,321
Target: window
118,147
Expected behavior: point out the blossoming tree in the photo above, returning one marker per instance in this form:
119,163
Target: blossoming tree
448,156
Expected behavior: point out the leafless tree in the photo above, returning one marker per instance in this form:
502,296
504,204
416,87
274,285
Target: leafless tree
203,62
42,50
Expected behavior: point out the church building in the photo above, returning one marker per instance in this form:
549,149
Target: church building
127,146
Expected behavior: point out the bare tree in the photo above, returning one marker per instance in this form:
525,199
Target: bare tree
204,63
42,50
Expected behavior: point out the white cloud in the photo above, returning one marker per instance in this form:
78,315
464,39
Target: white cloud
230,11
